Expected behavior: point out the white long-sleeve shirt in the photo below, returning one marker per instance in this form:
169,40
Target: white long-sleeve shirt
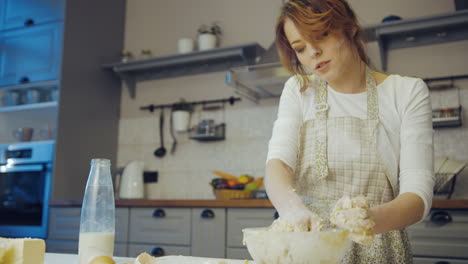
405,139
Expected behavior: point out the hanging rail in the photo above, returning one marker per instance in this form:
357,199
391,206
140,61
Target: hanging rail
231,100
451,78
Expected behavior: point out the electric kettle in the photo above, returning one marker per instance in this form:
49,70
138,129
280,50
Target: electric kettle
131,183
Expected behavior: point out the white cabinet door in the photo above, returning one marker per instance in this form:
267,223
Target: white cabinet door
438,261
64,223
240,218
208,232
157,250
169,226
444,233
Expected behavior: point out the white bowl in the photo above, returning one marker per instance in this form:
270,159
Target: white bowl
274,247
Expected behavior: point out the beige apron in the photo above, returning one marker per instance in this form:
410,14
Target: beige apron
339,156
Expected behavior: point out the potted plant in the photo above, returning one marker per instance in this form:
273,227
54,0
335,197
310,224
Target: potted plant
209,36
181,115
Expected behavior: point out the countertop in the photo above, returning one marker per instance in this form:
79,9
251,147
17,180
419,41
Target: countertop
240,203
55,258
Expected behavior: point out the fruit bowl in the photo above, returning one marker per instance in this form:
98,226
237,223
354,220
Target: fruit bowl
315,247
226,194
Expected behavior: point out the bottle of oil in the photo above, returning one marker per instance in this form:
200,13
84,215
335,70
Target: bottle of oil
97,223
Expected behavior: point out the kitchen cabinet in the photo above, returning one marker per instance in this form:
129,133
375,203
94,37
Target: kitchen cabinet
20,13
160,225
135,249
438,261
208,232
71,247
63,50
30,54
240,218
64,230
178,231
443,233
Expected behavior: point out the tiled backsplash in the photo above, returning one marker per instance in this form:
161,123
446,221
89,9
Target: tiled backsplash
186,174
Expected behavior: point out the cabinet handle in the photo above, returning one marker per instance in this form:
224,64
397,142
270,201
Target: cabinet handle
159,213
276,215
24,80
157,252
441,218
410,39
442,262
207,214
29,22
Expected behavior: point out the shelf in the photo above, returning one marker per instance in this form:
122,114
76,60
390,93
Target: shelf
416,32
214,60
45,84
447,121
26,107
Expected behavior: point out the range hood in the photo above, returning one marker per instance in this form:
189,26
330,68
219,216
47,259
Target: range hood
263,80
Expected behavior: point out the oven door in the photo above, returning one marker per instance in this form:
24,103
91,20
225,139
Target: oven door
24,196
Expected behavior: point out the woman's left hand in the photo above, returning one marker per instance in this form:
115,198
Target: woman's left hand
353,214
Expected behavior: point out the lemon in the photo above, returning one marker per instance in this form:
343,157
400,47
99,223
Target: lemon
102,260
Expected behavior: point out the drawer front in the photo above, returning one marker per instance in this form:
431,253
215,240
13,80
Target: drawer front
237,253
71,247
440,248
240,218
64,223
157,250
443,233
441,223
438,261
208,232
170,226
120,250
61,246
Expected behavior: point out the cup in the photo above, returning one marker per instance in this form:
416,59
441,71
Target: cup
13,98
33,96
185,45
23,134
46,133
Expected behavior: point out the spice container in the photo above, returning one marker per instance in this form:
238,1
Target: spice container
126,56
145,54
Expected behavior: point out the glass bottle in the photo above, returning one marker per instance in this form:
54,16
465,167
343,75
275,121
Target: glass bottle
97,223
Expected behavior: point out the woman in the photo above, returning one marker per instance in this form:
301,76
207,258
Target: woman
345,130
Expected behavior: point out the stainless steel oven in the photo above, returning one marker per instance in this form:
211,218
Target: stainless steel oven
25,180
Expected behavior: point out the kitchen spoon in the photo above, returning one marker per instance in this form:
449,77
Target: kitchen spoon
161,151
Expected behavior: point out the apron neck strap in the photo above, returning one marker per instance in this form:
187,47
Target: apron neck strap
372,100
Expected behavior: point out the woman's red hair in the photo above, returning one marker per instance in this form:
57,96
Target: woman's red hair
314,18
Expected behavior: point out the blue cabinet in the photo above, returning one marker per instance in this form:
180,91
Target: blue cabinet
20,13
30,54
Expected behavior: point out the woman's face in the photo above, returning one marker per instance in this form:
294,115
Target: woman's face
328,57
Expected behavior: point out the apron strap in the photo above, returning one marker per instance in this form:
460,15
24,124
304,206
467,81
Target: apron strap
321,116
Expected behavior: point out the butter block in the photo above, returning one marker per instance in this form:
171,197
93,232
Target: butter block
22,251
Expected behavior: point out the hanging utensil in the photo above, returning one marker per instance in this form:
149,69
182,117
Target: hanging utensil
171,128
161,151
